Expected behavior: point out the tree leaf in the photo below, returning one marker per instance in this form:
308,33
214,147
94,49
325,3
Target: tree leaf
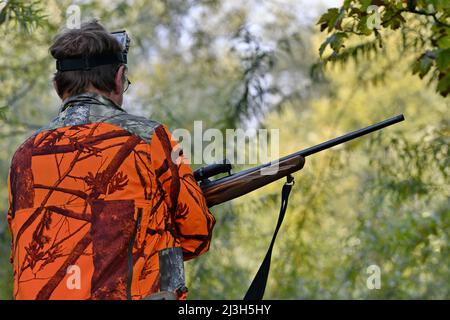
443,86
3,111
335,41
328,19
443,60
423,65
444,42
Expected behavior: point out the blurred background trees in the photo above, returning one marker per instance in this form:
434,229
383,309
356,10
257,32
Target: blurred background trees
382,200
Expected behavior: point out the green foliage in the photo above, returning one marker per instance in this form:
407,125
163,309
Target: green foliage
3,111
375,20
25,16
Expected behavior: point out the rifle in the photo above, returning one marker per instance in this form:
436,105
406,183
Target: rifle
238,184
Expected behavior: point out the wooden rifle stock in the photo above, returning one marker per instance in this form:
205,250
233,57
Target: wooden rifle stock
243,182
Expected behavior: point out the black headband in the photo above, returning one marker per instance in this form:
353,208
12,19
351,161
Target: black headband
87,63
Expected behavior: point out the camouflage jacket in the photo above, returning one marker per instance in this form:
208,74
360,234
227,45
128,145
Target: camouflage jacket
94,199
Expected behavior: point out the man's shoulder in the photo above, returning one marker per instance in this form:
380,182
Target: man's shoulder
109,113
138,125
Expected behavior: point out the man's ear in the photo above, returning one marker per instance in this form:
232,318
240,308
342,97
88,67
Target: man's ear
118,80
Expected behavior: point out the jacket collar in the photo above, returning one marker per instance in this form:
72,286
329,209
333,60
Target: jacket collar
88,98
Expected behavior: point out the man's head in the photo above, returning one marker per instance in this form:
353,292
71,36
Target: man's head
91,39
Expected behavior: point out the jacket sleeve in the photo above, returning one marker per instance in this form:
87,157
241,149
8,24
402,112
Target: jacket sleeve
193,222
9,215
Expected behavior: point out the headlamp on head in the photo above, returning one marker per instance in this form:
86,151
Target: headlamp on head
89,62
123,39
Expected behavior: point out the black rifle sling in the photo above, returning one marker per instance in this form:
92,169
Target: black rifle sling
258,286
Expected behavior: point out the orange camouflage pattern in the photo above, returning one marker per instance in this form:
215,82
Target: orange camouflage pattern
102,198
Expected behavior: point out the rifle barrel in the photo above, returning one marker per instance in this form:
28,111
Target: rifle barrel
347,137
